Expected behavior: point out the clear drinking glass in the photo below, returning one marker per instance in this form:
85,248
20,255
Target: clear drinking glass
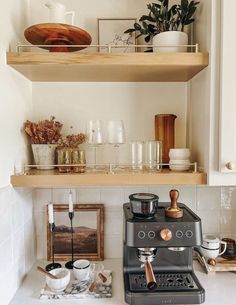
137,155
94,132
116,136
153,155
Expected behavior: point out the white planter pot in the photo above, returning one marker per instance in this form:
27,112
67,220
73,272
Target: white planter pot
44,154
170,38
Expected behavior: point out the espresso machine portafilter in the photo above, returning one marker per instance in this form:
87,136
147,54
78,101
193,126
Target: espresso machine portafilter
158,252
146,256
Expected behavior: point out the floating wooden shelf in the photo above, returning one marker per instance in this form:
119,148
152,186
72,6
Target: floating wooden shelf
110,67
52,178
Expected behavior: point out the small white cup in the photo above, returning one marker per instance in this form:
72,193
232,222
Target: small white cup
179,153
211,246
82,269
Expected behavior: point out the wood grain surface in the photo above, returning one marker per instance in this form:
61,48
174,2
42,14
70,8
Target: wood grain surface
57,34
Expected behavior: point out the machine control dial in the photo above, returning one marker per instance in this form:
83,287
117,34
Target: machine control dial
179,234
141,234
166,234
189,233
151,234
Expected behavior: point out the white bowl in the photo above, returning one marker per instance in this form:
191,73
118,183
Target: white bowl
179,153
60,284
180,162
179,165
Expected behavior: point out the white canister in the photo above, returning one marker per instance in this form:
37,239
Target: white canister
169,41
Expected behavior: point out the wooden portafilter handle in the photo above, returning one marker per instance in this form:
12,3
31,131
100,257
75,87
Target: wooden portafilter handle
174,195
150,277
174,211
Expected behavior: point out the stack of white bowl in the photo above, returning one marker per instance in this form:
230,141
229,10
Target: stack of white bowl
179,159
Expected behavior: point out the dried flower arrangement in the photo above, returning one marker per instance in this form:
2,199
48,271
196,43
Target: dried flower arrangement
43,132
71,140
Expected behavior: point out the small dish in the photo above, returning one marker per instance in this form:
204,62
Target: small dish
179,153
179,165
60,284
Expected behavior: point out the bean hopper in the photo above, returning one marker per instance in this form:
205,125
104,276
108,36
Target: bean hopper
158,251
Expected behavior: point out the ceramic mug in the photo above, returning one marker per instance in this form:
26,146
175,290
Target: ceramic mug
212,246
82,269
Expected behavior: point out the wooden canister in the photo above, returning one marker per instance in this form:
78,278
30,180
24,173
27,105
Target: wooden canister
165,132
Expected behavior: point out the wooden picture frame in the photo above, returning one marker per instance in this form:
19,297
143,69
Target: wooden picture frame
88,236
111,32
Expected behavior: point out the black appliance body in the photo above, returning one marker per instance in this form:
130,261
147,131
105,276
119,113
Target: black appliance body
173,260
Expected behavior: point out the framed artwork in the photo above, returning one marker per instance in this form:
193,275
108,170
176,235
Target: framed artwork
111,32
88,232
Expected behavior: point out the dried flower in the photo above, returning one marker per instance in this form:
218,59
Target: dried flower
71,140
43,132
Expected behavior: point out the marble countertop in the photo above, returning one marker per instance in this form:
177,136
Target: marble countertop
219,287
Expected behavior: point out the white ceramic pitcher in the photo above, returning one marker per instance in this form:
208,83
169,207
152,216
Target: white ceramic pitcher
58,12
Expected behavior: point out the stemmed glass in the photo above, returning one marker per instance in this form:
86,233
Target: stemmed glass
116,136
95,137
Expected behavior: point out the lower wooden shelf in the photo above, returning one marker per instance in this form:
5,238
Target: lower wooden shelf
52,178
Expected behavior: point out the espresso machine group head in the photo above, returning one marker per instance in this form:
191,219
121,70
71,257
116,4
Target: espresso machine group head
158,252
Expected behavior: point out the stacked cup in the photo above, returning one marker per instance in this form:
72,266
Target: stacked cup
179,159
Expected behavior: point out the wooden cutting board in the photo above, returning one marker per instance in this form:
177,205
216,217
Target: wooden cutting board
223,265
57,34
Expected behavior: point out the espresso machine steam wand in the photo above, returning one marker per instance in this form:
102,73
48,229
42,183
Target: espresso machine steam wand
146,256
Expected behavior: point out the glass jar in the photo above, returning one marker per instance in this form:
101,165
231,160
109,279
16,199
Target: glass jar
78,157
64,156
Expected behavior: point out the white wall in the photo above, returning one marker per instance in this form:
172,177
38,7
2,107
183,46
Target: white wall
15,90
17,252
135,103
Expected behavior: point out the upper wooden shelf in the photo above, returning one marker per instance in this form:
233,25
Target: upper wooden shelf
51,178
108,67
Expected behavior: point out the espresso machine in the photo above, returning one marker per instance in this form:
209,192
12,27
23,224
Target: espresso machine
158,251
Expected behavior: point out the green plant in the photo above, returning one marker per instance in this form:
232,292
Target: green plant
161,18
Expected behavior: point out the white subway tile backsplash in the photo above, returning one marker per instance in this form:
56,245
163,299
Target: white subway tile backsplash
114,222
40,222
113,246
16,251
18,245
208,198
61,196
17,215
112,197
6,255
88,195
226,221
210,221
228,198
6,219
215,206
134,189
41,247
30,244
41,198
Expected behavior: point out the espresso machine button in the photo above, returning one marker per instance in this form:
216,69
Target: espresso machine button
151,234
166,234
141,234
179,234
189,233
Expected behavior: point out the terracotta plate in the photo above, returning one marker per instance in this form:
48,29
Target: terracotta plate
57,34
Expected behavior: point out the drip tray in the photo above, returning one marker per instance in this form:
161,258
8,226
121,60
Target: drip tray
165,282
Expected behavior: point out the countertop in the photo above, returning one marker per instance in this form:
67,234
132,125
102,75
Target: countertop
219,287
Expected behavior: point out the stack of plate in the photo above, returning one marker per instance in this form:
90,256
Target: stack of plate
179,159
